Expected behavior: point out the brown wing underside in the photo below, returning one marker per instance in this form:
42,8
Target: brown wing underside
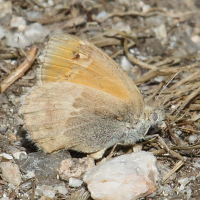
74,117
71,59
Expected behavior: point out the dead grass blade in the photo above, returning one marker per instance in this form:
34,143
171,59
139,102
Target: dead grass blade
17,73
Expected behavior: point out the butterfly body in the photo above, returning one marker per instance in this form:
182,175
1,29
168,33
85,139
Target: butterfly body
85,101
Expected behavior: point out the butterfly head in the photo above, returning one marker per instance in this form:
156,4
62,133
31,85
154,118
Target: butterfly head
155,116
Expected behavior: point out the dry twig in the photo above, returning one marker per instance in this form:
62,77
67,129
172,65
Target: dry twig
151,12
136,61
17,73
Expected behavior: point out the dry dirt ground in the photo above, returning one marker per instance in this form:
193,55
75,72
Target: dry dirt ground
151,40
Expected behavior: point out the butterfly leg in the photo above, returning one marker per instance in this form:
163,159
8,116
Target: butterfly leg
97,155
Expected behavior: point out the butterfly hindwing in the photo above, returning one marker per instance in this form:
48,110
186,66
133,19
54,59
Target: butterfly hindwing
72,116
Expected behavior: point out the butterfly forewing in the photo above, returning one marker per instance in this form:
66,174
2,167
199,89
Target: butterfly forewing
71,59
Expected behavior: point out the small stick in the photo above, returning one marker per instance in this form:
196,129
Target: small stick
136,61
17,73
121,51
175,168
171,132
185,80
149,13
189,130
5,69
190,97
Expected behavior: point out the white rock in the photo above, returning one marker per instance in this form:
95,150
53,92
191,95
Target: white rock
5,8
6,156
36,32
20,155
18,22
49,192
196,164
161,32
11,173
159,78
192,138
33,33
61,189
145,7
2,32
75,182
11,186
45,190
30,174
101,15
188,192
184,181
125,64
50,2
17,39
124,2
121,26
125,177
33,15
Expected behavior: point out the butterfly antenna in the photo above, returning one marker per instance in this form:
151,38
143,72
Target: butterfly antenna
166,86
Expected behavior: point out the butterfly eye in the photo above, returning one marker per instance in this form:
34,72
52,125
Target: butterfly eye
154,116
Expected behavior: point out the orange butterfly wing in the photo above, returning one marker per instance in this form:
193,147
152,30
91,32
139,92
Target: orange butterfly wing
71,59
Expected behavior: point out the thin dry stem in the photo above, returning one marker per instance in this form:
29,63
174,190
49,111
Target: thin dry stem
136,61
17,73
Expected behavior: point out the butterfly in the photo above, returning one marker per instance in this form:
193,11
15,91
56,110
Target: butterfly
85,101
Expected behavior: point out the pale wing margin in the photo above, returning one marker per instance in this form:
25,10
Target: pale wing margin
74,117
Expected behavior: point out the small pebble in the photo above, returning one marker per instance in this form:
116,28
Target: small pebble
18,22
20,155
161,32
74,167
11,173
120,26
101,15
45,190
17,39
45,166
36,32
30,174
125,64
75,182
61,189
33,15
5,8
192,138
127,177
2,32
5,156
